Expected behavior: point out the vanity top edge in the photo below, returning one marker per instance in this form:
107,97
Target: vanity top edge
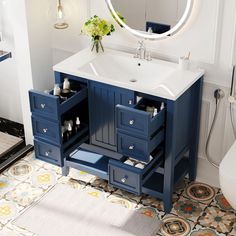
168,89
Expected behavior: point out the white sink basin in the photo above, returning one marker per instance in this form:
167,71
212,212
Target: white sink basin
155,77
123,68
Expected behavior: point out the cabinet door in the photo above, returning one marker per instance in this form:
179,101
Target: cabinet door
102,103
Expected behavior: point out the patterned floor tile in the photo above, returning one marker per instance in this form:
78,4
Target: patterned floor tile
74,183
188,209
127,195
200,192
221,202
175,226
148,211
180,187
102,185
21,171
127,203
81,175
30,157
154,202
24,194
7,184
19,230
233,232
44,178
8,211
217,219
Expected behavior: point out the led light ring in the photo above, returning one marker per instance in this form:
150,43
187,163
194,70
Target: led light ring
173,30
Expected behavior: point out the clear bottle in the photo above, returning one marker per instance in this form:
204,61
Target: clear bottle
162,106
77,124
56,90
155,112
66,84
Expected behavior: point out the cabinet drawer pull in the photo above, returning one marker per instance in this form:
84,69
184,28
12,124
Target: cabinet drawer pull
123,180
130,102
43,105
131,122
131,147
45,130
47,153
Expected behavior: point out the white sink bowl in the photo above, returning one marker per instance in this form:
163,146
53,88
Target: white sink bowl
155,77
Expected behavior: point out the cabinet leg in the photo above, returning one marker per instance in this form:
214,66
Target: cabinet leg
65,170
192,164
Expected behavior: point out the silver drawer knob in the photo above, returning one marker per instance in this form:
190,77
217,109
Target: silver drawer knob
130,102
123,180
47,153
42,105
131,147
45,130
131,122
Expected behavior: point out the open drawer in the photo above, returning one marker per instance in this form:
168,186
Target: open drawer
138,121
131,178
51,106
138,148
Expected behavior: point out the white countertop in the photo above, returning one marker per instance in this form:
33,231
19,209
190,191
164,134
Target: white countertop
171,86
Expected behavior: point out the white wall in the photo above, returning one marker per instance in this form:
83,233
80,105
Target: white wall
10,103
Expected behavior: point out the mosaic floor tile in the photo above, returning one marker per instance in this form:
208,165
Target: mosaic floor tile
21,170
221,202
148,200
188,209
102,184
200,192
233,232
72,182
176,226
148,211
31,159
8,211
7,184
199,230
81,175
24,194
221,221
180,187
130,196
44,178
127,203
51,167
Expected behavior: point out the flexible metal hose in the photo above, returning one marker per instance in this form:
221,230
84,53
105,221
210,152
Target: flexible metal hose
216,165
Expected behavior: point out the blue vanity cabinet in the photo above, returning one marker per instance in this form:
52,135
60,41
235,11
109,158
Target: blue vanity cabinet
115,127
102,103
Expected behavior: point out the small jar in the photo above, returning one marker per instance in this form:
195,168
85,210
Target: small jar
66,84
56,90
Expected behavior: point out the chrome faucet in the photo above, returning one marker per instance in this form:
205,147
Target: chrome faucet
140,51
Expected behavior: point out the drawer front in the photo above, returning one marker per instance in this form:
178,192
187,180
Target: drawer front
124,178
133,147
47,130
48,152
137,121
43,104
132,120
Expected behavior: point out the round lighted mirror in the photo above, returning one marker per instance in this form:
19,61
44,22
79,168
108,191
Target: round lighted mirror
151,19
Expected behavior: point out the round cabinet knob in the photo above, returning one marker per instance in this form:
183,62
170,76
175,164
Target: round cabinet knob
123,180
47,153
131,147
131,122
45,130
130,102
43,105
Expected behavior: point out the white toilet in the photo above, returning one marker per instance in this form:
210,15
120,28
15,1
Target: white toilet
228,175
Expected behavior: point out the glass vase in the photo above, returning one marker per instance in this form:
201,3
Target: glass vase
97,44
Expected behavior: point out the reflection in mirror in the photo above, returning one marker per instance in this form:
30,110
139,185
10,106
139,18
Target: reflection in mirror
157,16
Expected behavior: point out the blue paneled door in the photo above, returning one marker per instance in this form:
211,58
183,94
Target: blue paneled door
102,103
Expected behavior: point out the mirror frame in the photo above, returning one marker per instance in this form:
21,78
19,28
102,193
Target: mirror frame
145,35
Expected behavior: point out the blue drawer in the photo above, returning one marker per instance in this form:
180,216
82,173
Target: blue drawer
47,152
48,105
131,178
134,120
47,130
138,148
